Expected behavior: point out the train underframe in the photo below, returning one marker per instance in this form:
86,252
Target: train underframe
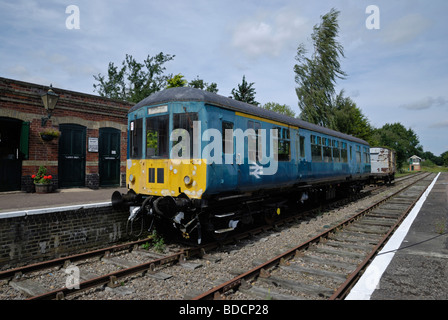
216,217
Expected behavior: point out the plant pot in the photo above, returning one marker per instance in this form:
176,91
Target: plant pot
46,137
44,187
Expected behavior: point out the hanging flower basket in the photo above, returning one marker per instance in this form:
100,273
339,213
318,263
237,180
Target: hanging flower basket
49,134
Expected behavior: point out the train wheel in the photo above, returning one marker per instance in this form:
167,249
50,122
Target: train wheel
270,217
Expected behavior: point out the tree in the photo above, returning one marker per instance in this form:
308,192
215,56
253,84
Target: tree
200,84
316,76
444,157
245,92
134,81
349,119
176,81
404,141
280,108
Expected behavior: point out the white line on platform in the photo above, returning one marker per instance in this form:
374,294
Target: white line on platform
21,213
370,279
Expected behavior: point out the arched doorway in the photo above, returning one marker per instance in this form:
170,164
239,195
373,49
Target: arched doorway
13,149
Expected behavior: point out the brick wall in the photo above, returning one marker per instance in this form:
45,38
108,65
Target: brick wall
33,238
22,100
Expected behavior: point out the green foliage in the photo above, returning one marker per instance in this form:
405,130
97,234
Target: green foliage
176,81
279,108
348,118
157,242
200,84
404,141
134,81
316,76
245,92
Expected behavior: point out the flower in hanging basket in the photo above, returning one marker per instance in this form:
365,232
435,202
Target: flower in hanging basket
41,177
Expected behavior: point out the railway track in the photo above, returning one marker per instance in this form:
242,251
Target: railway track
121,264
329,264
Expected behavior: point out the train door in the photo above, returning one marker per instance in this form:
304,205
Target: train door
13,149
72,155
109,156
230,167
303,166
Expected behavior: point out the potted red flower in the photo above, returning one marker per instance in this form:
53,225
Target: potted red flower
42,181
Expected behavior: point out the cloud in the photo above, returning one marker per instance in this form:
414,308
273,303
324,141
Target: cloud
269,34
440,124
405,29
425,103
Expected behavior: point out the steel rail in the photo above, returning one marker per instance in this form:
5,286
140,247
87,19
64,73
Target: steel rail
215,293
345,288
11,273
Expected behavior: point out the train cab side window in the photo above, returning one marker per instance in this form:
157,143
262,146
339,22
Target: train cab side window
316,148
227,137
157,136
284,144
135,138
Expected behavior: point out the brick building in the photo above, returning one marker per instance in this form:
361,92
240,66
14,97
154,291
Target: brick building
90,151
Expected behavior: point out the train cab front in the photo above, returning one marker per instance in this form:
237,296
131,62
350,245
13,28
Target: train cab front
165,182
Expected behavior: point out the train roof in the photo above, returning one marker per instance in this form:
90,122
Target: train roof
192,94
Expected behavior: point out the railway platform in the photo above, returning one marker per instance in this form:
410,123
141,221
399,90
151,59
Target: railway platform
413,265
17,203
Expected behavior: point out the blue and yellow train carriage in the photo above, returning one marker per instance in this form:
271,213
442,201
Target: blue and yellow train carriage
198,160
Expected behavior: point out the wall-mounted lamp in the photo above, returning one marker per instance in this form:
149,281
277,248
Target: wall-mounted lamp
49,99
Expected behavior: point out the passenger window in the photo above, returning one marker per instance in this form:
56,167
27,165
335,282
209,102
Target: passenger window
302,146
284,144
227,137
316,149
344,156
336,151
327,150
358,154
253,146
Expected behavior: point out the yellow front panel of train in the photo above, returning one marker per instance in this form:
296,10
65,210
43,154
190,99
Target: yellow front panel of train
167,177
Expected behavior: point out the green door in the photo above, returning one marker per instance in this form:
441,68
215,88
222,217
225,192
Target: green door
72,155
109,156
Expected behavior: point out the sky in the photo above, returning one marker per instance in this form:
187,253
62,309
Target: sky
396,57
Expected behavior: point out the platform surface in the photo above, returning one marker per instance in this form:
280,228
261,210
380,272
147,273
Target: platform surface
22,201
418,267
